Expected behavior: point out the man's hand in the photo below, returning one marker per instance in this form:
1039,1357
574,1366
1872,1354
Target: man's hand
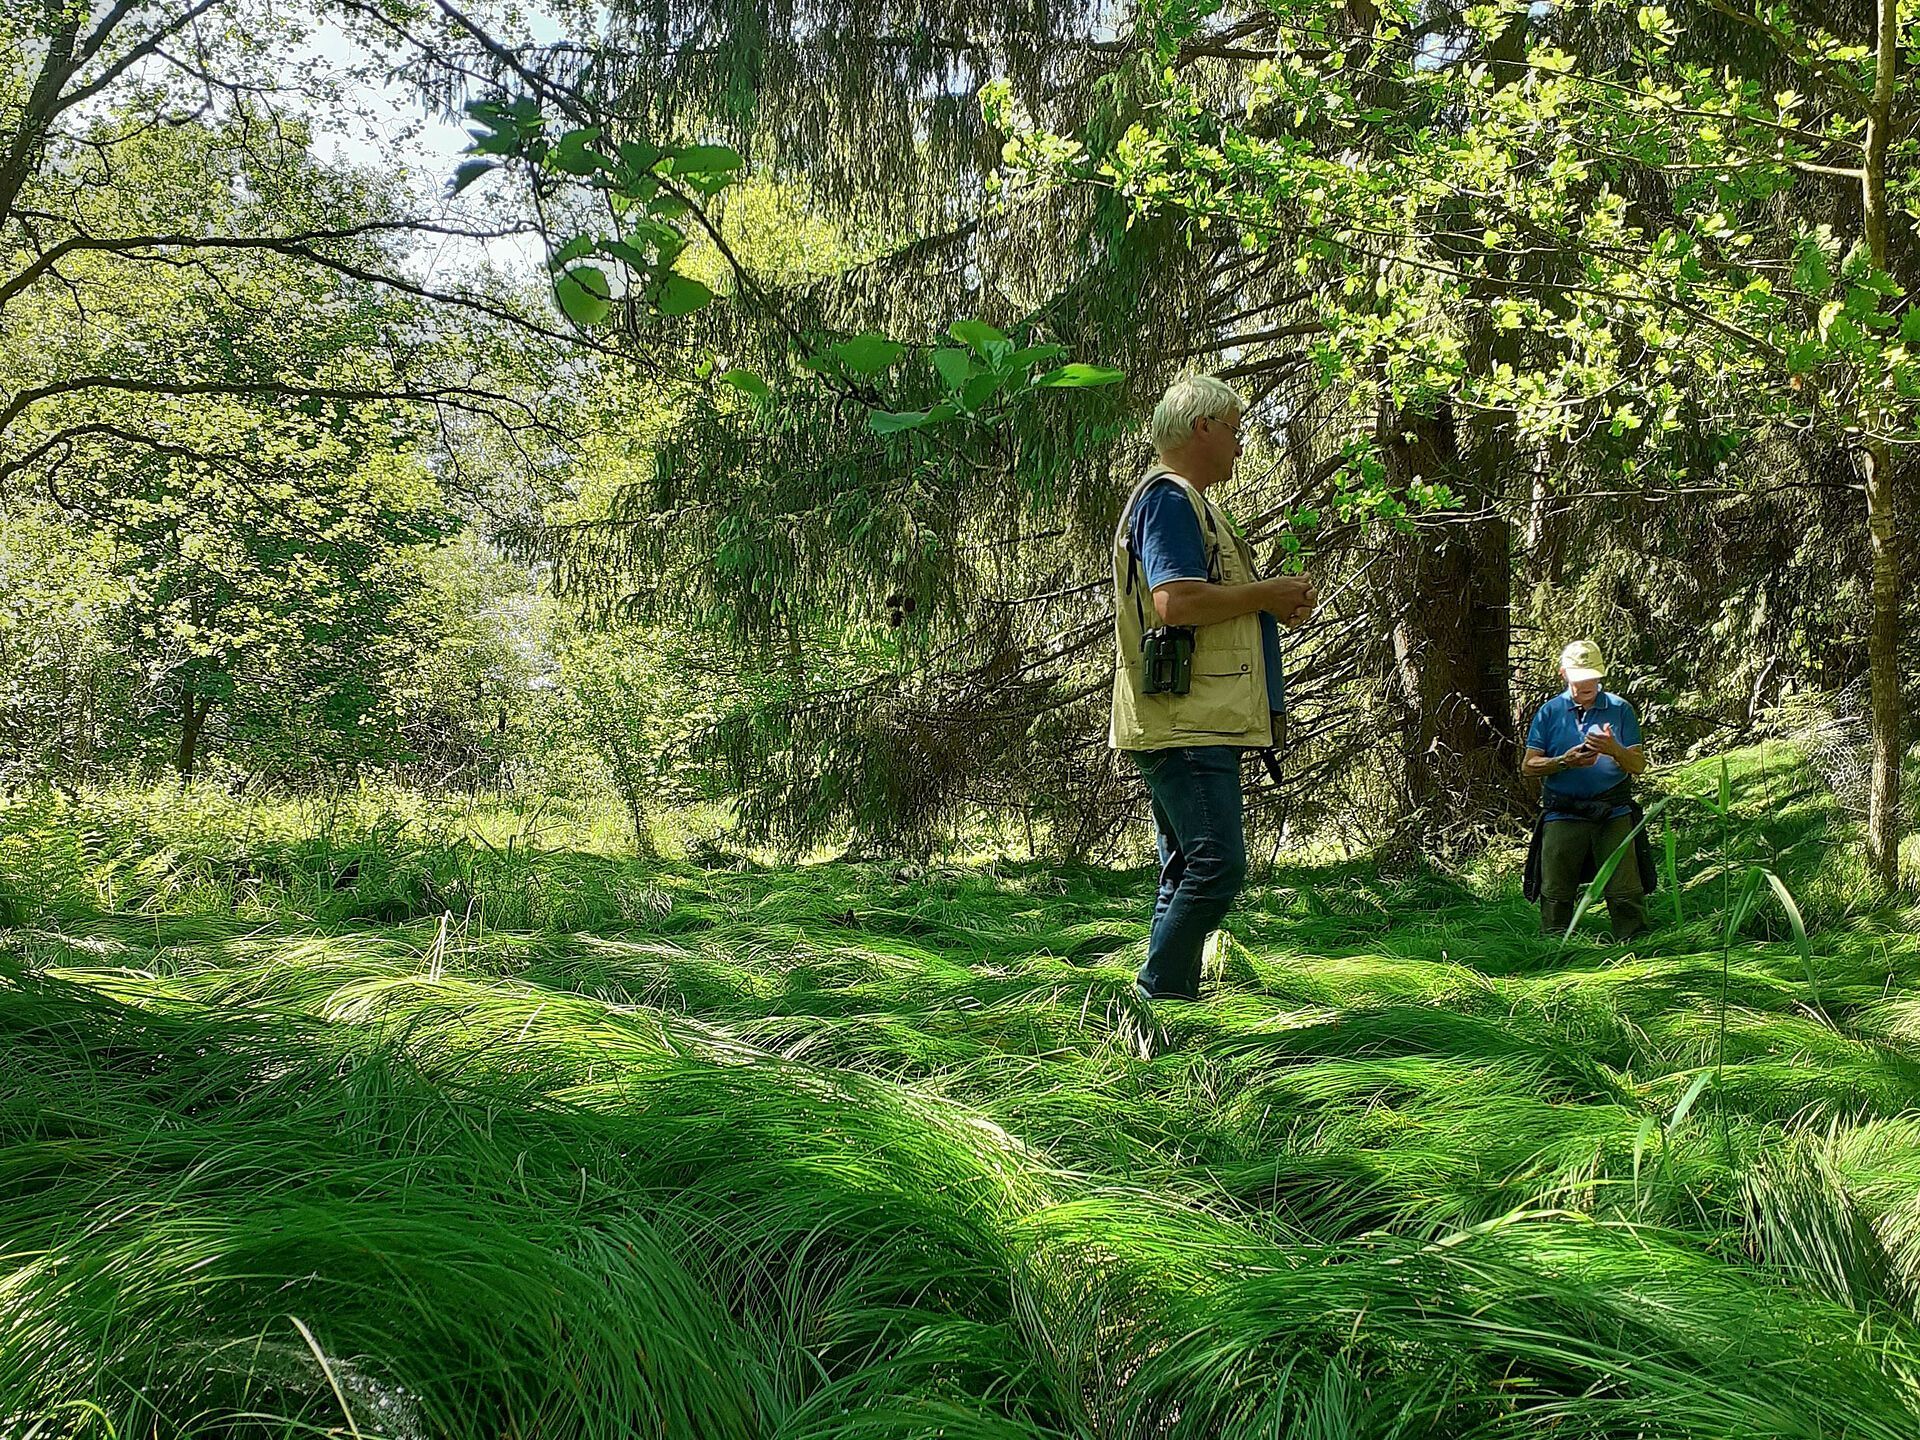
1579,757
1292,601
1600,742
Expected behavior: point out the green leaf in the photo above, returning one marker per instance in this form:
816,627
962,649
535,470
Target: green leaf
981,388
1032,355
577,248
887,422
1743,902
469,172
635,177
891,422
682,295
1649,1127
632,254
954,367
571,154
584,294
1810,272
748,383
570,162
508,123
492,142
707,168
1078,377
639,156
1670,840
1799,925
981,338
1805,355
867,354
657,233
1880,283
1680,1111
706,160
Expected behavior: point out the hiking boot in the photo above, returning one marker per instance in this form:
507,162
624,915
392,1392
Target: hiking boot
1146,994
1628,916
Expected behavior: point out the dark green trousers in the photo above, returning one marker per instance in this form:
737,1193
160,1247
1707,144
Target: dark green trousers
1564,850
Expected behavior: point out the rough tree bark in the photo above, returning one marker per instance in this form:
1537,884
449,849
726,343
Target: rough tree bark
1451,635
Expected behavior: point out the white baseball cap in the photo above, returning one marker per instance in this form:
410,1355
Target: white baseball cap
1582,660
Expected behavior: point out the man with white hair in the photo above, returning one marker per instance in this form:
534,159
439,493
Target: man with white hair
1197,676
1584,746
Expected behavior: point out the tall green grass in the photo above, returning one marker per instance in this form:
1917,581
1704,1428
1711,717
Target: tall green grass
389,1122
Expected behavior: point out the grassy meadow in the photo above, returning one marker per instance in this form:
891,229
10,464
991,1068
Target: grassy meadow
366,1120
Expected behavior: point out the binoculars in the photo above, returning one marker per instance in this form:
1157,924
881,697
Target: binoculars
1166,656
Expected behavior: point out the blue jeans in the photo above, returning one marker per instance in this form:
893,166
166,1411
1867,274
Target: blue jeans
1203,858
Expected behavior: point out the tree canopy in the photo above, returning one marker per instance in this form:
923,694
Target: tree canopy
1548,318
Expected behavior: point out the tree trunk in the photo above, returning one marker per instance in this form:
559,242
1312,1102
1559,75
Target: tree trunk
1883,669
1452,636
1546,526
626,776
1883,634
194,710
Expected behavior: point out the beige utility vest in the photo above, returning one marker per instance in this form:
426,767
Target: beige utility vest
1227,702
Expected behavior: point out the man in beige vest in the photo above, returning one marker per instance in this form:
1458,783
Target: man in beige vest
1197,675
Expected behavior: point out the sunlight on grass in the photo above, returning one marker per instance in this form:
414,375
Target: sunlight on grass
363,1122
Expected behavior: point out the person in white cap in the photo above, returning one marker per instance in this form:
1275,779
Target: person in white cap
1584,746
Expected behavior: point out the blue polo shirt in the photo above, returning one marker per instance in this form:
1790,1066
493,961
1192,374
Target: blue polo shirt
1559,725
1167,541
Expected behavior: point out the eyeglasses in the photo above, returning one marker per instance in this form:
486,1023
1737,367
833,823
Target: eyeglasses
1232,426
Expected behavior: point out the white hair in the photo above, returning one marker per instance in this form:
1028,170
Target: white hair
1191,398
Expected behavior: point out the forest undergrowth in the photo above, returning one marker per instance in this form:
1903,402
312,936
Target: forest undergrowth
415,1125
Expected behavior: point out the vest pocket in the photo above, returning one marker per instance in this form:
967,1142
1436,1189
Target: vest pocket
1219,702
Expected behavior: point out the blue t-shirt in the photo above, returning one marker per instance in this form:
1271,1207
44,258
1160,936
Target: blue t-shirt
1166,540
1559,725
